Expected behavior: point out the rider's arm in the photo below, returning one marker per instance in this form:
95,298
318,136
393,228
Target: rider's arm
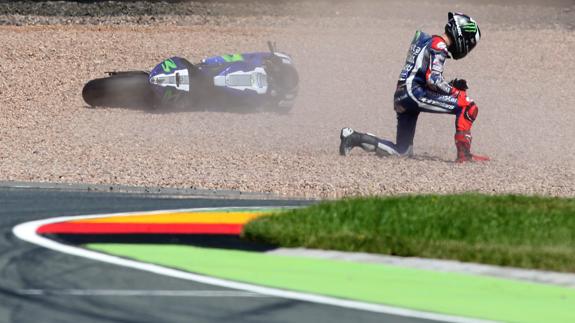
434,76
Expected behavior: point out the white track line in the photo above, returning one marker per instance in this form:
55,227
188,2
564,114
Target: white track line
27,232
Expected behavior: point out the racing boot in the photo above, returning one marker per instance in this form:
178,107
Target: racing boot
463,144
349,139
368,142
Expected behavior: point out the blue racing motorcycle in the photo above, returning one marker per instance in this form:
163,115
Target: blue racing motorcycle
256,80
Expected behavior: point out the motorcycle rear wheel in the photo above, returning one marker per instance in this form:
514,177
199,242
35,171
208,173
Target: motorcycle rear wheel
123,89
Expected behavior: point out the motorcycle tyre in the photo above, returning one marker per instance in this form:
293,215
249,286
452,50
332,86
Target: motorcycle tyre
124,89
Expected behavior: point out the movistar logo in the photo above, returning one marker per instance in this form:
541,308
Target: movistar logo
169,65
470,27
233,58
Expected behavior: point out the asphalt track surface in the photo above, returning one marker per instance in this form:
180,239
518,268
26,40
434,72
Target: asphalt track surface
35,282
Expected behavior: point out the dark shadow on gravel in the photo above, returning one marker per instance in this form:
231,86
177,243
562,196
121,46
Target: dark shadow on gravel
428,157
230,242
164,110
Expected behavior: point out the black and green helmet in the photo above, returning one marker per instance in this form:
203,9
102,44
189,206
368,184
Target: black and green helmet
464,33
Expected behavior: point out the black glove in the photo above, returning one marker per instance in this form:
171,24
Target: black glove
459,84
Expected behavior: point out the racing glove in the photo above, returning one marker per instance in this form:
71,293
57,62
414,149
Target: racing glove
459,84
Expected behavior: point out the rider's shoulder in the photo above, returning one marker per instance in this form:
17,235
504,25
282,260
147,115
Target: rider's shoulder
438,43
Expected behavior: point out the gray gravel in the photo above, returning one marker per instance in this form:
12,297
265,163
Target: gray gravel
140,12
349,55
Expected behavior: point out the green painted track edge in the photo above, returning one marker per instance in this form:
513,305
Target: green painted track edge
448,293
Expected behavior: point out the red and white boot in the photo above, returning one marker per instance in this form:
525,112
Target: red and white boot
463,144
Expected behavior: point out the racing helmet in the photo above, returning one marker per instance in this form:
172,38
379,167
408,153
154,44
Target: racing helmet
464,33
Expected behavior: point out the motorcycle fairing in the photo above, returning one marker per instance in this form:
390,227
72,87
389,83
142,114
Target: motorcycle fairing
223,59
241,74
254,80
171,74
241,78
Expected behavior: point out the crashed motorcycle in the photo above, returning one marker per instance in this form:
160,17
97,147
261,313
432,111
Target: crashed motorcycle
260,80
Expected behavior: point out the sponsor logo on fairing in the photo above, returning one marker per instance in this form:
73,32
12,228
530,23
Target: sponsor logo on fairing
168,65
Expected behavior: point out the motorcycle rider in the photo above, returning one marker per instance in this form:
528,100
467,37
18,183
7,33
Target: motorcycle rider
421,87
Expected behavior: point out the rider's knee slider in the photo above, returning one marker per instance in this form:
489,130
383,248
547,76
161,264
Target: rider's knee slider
470,112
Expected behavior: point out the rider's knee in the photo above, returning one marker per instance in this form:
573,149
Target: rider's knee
466,117
470,112
399,108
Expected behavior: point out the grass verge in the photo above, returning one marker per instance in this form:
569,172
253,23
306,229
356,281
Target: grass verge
518,231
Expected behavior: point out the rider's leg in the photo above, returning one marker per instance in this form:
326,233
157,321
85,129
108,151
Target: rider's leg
465,112
407,112
367,141
464,118
406,123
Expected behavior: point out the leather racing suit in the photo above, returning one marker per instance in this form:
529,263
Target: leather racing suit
421,87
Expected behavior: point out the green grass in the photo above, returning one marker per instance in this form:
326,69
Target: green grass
518,231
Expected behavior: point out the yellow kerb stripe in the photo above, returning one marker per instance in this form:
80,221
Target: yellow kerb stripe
194,217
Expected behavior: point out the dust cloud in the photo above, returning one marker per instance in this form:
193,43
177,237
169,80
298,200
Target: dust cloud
349,55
